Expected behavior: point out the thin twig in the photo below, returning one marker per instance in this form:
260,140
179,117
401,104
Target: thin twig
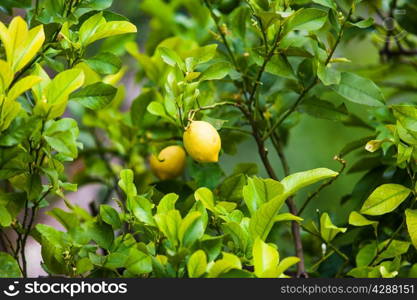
324,185
380,251
313,84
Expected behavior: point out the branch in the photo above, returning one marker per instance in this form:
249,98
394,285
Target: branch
192,112
379,252
313,84
324,185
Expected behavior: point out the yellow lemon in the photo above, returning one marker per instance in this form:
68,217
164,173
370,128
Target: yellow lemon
169,164
202,142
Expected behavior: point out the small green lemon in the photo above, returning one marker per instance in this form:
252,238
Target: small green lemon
169,164
202,142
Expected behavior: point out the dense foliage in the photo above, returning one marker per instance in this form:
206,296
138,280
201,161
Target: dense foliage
213,74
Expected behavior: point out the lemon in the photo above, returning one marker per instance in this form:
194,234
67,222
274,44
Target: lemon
169,164
202,141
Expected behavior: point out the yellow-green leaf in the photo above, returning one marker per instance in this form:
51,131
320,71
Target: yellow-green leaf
385,199
224,265
110,29
265,259
17,34
197,264
297,181
6,76
25,52
411,220
22,86
89,27
356,219
59,89
327,229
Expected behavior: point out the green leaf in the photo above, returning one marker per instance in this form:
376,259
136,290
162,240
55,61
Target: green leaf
167,203
202,54
33,186
216,71
20,129
395,248
170,57
231,188
197,264
62,136
356,219
96,28
327,3
265,259
364,23
5,217
105,63
63,85
285,264
365,255
95,96
328,230
191,229
138,262
102,234
109,215
157,109
126,183
224,265
169,223
84,265
264,218
259,191
324,109
67,219
22,86
142,209
360,90
239,235
306,19
287,217
411,220
297,181
385,199
328,76
206,197
279,65
9,268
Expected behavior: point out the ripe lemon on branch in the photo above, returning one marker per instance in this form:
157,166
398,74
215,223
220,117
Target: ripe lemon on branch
169,164
202,141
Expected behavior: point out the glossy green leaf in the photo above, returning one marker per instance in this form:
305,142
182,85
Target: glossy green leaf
359,90
411,220
221,266
356,219
110,216
265,259
306,19
259,191
328,230
197,264
385,199
297,181
105,63
95,96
